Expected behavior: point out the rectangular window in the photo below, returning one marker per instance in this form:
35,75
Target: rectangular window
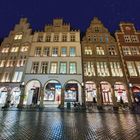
35,67
72,38
102,69
131,68
56,38
63,51
72,68
6,77
63,67
112,50
48,38
53,67
134,38
46,51
14,49
135,51
17,76
40,38
44,67
88,51
64,38
21,61
2,63
18,37
37,51
72,51
5,50
24,48
54,51
116,69
127,38
100,50
89,69
126,50
138,67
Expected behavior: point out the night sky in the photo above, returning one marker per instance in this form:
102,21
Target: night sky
77,12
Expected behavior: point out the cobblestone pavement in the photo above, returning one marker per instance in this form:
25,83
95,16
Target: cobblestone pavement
20,125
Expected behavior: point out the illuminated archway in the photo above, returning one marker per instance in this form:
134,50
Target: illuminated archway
52,93
3,95
32,92
120,92
90,92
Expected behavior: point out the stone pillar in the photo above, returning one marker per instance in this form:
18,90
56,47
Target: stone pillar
83,95
99,98
41,97
62,98
22,95
8,99
114,98
129,94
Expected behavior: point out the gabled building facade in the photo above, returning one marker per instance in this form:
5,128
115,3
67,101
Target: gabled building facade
129,45
54,72
103,74
14,52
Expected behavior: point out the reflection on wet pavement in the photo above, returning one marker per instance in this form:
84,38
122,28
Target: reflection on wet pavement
16,125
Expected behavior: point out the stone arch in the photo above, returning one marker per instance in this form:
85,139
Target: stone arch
90,91
32,92
73,91
3,95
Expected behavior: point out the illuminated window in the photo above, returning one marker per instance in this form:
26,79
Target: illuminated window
96,29
46,51
135,51
48,38
37,51
24,48
89,69
72,67
131,68
54,51
88,51
14,49
35,67
72,51
100,50
21,61
64,38
18,37
2,63
134,38
63,67
116,69
127,38
112,50
5,50
72,38
138,67
44,67
102,69
63,51
6,77
17,76
53,67
126,50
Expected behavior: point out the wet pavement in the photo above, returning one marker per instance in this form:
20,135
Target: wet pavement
31,125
